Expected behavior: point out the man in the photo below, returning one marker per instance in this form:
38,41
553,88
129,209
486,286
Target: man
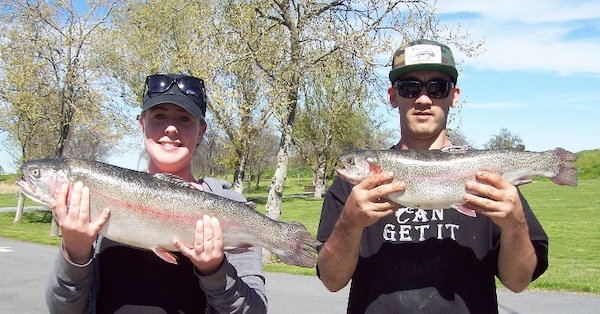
405,260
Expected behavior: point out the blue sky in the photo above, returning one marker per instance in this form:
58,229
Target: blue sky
539,76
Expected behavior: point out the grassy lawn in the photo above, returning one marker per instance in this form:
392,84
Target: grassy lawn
569,216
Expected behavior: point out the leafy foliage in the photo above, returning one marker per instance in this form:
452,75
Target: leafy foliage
588,164
504,139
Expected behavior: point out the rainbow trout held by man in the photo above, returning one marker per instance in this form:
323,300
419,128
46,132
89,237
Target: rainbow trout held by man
150,211
435,179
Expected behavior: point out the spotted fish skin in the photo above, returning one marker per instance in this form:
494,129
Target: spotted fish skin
435,179
149,211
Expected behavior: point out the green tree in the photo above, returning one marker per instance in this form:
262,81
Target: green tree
310,33
50,81
458,138
184,40
333,114
504,139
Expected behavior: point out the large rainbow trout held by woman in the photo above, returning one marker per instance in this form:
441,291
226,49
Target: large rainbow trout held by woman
149,211
435,179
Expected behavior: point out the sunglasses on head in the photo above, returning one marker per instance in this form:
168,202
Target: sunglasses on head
412,88
188,85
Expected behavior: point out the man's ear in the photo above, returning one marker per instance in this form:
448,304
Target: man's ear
455,97
392,93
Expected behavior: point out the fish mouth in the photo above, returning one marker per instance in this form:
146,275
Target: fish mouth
348,174
25,187
30,191
341,169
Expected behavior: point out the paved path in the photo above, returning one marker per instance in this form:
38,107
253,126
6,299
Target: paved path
24,268
26,208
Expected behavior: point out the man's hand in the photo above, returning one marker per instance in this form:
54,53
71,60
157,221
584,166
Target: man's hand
367,203
493,196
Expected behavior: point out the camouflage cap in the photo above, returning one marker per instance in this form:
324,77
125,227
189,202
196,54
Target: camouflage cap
423,55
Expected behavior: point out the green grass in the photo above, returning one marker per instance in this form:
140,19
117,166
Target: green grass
588,164
34,227
569,216
10,200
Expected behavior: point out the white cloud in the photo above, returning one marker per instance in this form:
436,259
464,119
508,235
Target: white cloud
531,11
556,36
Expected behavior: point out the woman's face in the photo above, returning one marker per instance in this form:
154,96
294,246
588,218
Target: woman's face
171,135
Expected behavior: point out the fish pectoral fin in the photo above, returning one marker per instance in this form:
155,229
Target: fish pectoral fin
521,181
165,254
374,165
464,210
243,248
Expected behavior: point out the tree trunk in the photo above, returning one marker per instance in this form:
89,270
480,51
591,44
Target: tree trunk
319,178
257,181
238,180
54,228
273,205
20,204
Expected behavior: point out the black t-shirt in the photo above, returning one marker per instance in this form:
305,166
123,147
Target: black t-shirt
141,282
427,261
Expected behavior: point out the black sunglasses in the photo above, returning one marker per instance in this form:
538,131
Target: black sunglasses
188,85
434,88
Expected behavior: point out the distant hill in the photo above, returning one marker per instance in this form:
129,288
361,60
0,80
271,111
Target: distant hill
588,164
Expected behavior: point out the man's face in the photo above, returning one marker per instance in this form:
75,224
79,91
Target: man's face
423,117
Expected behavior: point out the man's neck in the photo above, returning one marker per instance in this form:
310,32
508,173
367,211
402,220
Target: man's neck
423,144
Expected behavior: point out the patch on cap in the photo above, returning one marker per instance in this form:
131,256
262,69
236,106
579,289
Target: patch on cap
423,55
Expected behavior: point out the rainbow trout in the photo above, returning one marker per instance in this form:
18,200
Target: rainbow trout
435,179
149,211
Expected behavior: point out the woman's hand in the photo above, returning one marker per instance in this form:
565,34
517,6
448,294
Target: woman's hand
206,253
78,230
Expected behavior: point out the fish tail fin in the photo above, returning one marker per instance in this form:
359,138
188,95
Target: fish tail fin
567,173
301,248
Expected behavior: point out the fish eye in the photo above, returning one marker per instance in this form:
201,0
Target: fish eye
351,161
36,172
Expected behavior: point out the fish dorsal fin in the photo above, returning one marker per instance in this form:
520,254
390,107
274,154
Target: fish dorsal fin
171,178
456,149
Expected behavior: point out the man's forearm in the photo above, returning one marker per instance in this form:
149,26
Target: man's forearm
517,260
339,256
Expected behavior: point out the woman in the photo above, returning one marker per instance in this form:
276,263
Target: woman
95,274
